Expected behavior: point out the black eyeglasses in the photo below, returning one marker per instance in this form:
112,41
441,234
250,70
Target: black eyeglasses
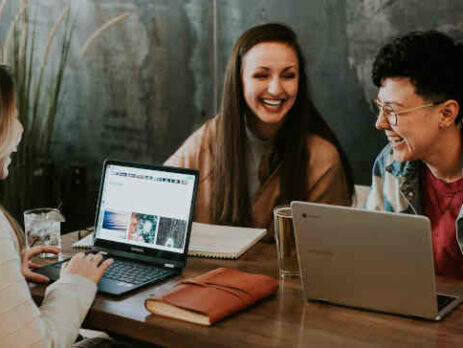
391,115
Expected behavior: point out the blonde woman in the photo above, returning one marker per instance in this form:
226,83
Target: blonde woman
22,324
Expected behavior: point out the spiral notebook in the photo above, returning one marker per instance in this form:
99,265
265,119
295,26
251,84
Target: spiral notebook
216,241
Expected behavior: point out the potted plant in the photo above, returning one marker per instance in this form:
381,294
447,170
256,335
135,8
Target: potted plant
33,180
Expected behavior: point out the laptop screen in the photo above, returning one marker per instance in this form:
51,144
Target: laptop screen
145,208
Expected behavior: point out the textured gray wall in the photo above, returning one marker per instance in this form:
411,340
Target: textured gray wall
321,27
371,23
149,82
142,87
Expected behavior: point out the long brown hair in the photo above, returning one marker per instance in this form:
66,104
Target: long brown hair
7,120
230,198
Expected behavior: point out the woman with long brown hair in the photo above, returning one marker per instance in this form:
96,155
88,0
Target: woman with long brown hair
269,145
22,324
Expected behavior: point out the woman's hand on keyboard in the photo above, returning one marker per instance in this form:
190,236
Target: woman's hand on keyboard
27,266
88,266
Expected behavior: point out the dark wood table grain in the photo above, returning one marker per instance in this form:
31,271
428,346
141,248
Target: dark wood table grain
283,320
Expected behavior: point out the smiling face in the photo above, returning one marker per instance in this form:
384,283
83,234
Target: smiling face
270,78
416,133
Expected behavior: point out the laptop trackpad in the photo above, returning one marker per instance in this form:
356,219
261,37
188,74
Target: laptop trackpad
52,271
114,287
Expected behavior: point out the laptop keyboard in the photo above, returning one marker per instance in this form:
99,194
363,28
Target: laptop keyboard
133,273
443,300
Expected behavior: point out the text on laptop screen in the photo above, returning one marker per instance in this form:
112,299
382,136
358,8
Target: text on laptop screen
145,207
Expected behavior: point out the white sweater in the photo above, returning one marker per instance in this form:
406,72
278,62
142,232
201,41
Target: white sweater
22,324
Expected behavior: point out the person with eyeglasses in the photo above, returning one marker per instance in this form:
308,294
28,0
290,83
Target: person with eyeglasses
419,76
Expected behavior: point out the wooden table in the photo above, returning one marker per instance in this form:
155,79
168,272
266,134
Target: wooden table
283,320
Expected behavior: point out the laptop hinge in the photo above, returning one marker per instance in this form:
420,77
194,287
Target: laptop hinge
144,258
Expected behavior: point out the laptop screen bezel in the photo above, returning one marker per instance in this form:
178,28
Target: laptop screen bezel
179,259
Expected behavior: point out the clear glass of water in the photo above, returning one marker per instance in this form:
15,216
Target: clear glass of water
285,241
42,227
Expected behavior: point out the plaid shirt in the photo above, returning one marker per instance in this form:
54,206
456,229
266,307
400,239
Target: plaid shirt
395,187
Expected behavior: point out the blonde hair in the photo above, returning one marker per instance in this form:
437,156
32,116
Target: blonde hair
8,122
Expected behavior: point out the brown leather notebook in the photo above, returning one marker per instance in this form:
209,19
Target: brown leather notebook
212,296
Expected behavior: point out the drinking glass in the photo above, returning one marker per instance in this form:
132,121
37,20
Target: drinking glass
286,244
42,227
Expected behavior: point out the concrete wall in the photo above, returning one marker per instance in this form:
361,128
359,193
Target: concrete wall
322,30
149,82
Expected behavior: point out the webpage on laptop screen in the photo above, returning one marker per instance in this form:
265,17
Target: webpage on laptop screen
145,207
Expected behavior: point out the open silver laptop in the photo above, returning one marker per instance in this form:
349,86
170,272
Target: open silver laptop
372,260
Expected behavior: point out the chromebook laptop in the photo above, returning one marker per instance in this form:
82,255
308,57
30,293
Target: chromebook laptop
372,260
143,221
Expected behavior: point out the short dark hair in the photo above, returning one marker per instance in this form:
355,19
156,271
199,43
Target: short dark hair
432,61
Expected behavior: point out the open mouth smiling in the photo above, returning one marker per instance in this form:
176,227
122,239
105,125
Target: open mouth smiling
272,102
394,141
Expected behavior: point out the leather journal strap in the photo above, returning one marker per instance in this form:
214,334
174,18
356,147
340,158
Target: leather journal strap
242,294
212,296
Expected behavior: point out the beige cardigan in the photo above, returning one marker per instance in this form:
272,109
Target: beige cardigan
22,324
326,181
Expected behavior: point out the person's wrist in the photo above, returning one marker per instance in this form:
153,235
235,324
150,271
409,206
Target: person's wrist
70,277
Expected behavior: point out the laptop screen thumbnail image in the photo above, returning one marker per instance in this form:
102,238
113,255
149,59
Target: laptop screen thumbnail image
146,208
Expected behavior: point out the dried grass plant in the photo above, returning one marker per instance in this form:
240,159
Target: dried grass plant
38,94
